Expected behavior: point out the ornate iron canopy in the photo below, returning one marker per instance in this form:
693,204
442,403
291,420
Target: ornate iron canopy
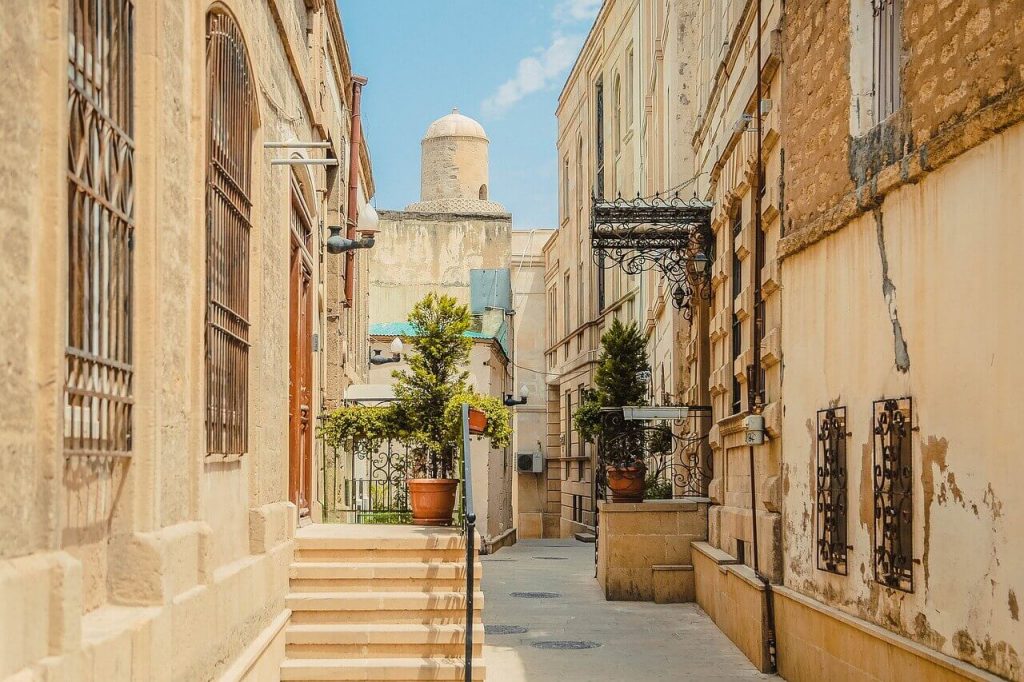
671,235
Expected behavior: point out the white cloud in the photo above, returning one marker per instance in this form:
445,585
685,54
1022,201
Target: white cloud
535,72
576,10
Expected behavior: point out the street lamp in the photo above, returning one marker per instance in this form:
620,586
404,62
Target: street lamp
511,401
368,222
396,353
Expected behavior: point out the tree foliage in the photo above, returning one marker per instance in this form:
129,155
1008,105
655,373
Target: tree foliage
426,414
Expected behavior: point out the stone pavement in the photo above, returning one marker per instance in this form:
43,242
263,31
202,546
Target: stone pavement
638,641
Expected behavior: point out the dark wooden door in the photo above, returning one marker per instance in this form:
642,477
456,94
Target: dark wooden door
300,361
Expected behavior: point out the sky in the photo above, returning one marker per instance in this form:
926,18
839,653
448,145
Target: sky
502,62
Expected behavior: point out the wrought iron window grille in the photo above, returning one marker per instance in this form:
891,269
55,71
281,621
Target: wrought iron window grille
893,475
671,235
98,357
831,499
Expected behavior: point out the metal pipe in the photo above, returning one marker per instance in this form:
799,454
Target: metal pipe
303,162
351,208
757,392
297,145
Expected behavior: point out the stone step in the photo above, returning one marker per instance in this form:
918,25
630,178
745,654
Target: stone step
440,607
443,539
333,575
384,640
390,669
367,555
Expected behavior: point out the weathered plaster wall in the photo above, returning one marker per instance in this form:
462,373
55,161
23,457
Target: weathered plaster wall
960,59
417,253
948,248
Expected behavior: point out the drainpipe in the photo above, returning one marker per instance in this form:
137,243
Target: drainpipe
351,209
755,382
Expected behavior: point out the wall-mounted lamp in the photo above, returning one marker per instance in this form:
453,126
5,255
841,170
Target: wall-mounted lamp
511,401
367,225
396,353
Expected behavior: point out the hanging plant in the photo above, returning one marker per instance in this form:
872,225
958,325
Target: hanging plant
499,418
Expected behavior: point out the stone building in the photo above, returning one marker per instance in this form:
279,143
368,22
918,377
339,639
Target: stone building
872,258
529,429
623,122
456,241
903,139
163,281
453,229
743,312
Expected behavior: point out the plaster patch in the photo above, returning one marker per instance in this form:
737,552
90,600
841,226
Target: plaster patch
902,356
933,457
926,635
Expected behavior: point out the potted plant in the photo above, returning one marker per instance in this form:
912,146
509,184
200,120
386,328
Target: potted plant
427,414
429,398
619,382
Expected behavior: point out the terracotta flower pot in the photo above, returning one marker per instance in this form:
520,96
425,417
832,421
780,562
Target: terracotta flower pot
477,421
433,500
626,483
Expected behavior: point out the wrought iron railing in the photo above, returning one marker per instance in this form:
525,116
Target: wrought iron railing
365,482
469,529
674,452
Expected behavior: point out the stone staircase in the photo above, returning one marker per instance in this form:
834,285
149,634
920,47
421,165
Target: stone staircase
380,603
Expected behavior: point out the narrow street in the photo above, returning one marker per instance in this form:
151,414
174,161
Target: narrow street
636,640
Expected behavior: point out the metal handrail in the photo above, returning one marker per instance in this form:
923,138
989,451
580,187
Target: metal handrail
469,528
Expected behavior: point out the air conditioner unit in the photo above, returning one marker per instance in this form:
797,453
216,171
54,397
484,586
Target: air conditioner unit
529,462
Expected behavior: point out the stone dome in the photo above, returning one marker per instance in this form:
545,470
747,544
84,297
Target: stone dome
455,125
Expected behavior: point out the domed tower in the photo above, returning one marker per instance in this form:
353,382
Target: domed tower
454,167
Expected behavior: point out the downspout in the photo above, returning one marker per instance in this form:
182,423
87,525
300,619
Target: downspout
351,208
755,381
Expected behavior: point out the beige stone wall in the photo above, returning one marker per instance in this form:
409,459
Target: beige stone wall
529,344
454,168
958,331
417,253
166,565
644,550
725,174
732,595
818,642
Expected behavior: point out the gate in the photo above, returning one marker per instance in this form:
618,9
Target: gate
365,482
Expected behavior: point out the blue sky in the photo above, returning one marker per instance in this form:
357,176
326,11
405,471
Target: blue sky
502,62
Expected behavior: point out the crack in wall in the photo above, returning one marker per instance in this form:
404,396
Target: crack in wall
902,356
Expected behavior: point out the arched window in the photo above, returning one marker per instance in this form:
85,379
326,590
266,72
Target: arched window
231,122
483,192
630,78
101,220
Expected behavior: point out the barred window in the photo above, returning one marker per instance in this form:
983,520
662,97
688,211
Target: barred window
231,119
888,16
736,340
101,221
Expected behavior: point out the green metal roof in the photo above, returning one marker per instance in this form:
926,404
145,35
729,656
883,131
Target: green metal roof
406,329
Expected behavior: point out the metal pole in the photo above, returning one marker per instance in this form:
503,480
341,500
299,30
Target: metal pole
755,381
469,515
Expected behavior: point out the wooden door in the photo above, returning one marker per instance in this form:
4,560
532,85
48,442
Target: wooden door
300,362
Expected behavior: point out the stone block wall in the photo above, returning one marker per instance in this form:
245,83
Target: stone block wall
643,549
